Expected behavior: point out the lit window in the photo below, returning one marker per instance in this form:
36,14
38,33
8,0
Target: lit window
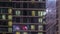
25,33
16,28
40,20
33,13
40,27
9,29
41,13
32,27
9,11
17,12
17,32
10,17
3,17
40,33
9,23
24,27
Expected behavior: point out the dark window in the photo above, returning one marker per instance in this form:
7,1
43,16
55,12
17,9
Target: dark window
15,5
3,22
3,29
0,16
57,28
41,5
4,0
34,20
18,19
24,20
3,10
24,12
5,4
34,32
29,13
24,5
9,33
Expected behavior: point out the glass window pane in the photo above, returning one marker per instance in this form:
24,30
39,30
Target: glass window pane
25,33
41,13
32,27
40,27
34,32
9,29
18,20
17,32
3,23
40,33
17,12
10,17
0,16
9,11
4,17
9,23
3,29
40,20
33,13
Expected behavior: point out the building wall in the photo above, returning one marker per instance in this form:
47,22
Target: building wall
51,16
58,13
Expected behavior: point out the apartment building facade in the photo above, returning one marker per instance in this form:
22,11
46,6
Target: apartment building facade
27,17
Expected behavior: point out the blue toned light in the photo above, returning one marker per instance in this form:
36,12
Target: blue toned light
16,28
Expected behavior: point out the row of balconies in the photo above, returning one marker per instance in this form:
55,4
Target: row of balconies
20,19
